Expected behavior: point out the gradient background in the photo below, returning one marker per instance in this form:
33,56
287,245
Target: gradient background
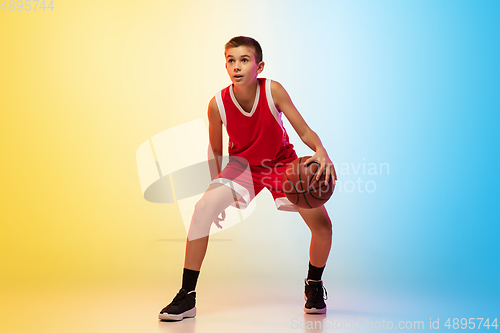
413,84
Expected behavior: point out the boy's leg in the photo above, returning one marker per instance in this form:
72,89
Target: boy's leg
321,240
217,198
319,223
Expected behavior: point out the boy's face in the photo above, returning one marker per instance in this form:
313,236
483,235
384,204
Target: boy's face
241,65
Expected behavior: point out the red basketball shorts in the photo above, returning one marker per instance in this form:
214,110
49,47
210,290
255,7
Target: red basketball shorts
249,180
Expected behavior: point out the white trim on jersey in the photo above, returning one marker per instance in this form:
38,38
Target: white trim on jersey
245,195
255,102
220,105
272,107
270,101
284,205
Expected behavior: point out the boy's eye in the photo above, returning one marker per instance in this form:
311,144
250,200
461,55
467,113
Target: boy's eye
245,60
230,60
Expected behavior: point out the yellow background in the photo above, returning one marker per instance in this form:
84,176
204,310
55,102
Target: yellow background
81,87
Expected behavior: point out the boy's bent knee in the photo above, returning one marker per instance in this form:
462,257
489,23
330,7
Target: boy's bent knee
215,199
206,209
200,206
323,227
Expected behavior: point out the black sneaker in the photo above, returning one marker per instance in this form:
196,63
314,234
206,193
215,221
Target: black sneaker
313,294
182,306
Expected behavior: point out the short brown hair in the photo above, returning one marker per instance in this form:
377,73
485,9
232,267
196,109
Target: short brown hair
246,41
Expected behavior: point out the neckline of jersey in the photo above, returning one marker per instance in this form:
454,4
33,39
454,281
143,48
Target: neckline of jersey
255,102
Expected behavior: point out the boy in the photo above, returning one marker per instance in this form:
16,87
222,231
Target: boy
250,109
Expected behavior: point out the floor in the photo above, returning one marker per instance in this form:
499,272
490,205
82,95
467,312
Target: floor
250,308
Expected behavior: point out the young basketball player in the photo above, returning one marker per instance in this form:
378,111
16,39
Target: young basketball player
250,109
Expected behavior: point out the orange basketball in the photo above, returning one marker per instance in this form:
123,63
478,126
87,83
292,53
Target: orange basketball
301,187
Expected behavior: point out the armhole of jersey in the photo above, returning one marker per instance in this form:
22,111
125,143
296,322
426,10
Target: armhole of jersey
220,105
270,101
274,110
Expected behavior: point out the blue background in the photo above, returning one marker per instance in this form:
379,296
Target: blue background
413,84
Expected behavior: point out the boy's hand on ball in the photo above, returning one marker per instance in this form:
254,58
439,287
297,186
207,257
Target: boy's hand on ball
325,165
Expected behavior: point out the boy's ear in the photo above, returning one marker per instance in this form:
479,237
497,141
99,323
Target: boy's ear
260,67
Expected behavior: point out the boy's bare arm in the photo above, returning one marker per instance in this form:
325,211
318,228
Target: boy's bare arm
307,135
215,136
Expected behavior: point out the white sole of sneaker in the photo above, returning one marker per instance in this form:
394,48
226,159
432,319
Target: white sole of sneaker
314,310
188,314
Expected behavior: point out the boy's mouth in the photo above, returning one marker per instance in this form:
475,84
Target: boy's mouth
237,76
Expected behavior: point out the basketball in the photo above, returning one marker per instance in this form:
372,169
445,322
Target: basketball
301,187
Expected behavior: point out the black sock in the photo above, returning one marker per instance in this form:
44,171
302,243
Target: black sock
189,279
315,272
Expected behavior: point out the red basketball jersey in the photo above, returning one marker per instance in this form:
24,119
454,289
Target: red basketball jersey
258,135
